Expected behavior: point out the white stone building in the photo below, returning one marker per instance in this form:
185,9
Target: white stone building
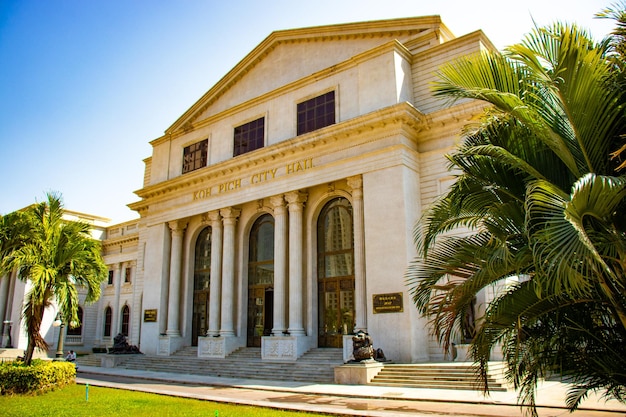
278,211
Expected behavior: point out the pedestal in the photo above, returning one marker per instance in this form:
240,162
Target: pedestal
357,373
169,344
217,347
283,348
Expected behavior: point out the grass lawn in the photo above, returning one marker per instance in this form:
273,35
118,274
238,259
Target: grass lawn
109,402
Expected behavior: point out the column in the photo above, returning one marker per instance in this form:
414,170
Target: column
216,273
4,296
117,284
360,299
280,264
177,229
296,202
228,270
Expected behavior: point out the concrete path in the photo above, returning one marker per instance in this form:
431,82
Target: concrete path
352,400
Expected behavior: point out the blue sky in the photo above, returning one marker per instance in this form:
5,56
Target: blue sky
85,85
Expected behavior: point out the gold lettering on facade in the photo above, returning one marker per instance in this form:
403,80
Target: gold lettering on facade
299,166
199,195
230,185
256,178
269,174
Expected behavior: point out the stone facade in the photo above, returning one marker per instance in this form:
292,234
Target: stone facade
286,246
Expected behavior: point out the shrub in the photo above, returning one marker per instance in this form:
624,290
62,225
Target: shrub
40,376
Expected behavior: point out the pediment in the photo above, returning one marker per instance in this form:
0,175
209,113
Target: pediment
289,55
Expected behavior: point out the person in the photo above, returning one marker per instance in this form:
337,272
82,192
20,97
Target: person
71,356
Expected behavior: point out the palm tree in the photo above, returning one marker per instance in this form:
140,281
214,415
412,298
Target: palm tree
55,257
539,199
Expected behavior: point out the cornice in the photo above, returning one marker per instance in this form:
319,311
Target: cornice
402,115
359,30
122,240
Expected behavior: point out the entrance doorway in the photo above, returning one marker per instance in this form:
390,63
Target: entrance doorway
201,284
335,285
261,280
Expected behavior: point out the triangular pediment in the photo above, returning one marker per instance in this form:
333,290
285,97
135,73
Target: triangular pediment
286,56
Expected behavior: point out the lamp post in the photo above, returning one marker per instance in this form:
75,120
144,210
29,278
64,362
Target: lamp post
59,323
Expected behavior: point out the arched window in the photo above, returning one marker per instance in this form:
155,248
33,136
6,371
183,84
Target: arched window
261,280
108,316
125,319
201,285
78,330
335,257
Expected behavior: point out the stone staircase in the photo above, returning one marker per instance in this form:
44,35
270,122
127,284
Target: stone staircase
446,375
315,366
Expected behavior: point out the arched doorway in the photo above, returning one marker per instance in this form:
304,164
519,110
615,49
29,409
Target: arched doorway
335,284
201,284
261,280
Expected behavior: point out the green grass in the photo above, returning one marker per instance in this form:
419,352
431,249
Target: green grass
109,402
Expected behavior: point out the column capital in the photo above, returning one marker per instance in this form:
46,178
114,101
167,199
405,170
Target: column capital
355,182
177,225
230,213
214,216
277,201
296,198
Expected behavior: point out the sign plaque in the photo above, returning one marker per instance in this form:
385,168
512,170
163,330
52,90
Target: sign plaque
150,315
388,303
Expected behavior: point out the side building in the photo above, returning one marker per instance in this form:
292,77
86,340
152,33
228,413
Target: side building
278,211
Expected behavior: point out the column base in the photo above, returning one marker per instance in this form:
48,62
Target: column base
169,344
217,347
284,348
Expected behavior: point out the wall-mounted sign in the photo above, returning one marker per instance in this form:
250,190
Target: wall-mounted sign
150,315
388,303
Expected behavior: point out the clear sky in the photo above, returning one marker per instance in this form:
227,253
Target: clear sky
85,85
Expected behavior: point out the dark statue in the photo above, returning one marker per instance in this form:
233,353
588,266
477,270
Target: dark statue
363,349
121,346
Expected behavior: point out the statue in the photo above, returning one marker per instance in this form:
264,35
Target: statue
362,348
121,346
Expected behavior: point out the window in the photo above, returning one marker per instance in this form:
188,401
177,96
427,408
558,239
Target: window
107,321
249,137
125,320
110,281
316,113
127,274
78,330
195,156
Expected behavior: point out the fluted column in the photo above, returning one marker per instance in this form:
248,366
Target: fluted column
216,274
117,286
296,202
280,264
177,229
356,184
228,271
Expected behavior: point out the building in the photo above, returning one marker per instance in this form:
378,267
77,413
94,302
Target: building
278,211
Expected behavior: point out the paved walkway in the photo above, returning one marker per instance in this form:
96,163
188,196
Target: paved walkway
353,400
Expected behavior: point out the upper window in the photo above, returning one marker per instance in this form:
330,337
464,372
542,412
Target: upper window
127,274
316,113
195,156
78,329
110,278
249,136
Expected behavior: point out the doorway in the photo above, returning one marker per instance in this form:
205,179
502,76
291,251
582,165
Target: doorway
261,280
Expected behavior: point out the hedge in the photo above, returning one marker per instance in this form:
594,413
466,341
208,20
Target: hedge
40,376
